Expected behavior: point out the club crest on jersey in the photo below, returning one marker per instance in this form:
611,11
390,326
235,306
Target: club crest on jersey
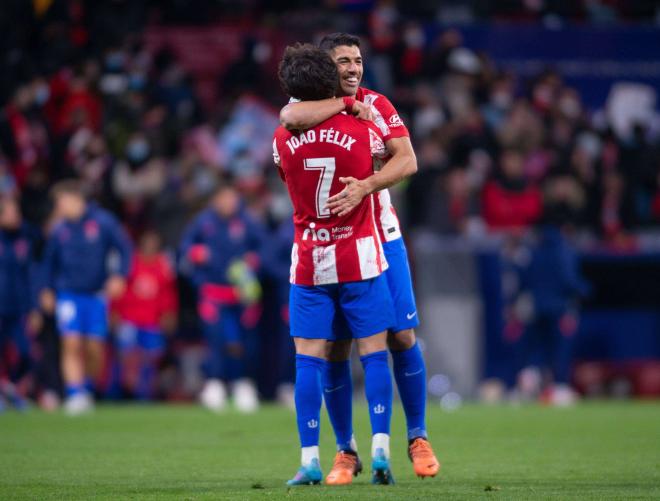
21,248
321,235
91,230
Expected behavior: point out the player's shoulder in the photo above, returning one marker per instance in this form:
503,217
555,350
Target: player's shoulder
281,132
102,216
371,97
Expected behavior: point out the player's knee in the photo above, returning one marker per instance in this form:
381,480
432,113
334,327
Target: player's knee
310,347
402,340
72,344
338,351
372,344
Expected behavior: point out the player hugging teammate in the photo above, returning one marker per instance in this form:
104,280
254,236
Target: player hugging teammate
350,273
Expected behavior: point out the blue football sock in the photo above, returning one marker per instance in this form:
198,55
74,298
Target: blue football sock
338,394
378,387
234,368
74,389
89,385
308,395
410,375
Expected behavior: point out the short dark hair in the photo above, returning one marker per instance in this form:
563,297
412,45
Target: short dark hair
333,40
306,72
69,187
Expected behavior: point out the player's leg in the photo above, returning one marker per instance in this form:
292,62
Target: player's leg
151,349
68,318
312,312
367,307
12,332
214,393
338,396
408,361
235,335
564,330
128,352
95,329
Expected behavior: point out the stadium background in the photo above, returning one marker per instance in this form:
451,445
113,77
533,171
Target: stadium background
570,89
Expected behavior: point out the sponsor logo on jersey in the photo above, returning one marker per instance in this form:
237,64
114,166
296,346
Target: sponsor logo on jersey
395,121
321,235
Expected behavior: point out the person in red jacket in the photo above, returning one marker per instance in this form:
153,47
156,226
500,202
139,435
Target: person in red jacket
146,311
509,202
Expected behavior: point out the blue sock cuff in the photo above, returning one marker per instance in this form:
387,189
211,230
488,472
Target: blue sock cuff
376,355
399,355
307,360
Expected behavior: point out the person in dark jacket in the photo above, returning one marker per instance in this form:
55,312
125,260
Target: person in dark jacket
79,281
17,305
555,284
222,246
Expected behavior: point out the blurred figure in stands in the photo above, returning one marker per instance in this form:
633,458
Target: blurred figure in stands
18,315
146,312
509,201
222,244
78,285
555,284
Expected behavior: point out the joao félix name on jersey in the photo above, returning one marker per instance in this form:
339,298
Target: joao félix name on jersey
324,136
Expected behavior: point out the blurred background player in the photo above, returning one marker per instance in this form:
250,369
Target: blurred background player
79,283
409,367
17,306
223,244
556,285
146,314
337,261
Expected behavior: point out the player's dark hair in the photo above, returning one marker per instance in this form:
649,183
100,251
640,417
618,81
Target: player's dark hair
306,72
68,187
333,40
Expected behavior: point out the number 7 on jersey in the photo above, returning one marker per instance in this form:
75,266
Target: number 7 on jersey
327,168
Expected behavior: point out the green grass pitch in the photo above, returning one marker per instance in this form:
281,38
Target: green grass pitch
593,451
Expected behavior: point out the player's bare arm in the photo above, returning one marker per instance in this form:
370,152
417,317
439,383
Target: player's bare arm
306,114
401,165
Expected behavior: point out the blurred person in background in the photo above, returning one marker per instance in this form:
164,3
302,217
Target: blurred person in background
18,314
222,245
145,314
509,202
555,284
78,284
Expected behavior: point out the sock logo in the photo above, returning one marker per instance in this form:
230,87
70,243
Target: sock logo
379,409
408,374
331,390
312,423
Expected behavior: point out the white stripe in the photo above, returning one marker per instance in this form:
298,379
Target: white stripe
368,257
325,265
294,263
380,122
388,220
383,260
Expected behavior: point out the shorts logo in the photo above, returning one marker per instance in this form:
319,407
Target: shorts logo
395,121
323,235
379,409
66,310
312,423
410,316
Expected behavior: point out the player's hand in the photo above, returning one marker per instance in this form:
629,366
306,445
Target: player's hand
349,198
115,286
363,111
34,323
199,254
47,301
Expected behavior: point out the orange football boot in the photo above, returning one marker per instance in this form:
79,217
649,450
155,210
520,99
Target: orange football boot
424,461
345,467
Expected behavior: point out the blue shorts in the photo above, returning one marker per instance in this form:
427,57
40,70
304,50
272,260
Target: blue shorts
82,314
130,337
365,306
400,284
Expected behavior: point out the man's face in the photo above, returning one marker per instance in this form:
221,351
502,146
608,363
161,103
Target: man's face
349,65
70,206
10,215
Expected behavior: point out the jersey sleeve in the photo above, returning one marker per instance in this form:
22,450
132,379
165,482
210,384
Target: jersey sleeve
391,124
277,160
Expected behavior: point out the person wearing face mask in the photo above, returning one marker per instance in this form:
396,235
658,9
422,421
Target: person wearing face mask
138,178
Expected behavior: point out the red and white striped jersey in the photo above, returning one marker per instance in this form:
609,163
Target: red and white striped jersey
391,126
327,248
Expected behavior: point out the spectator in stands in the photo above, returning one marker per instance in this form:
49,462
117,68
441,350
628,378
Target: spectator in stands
509,202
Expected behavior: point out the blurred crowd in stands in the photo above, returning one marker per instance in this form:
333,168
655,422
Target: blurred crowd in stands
84,96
